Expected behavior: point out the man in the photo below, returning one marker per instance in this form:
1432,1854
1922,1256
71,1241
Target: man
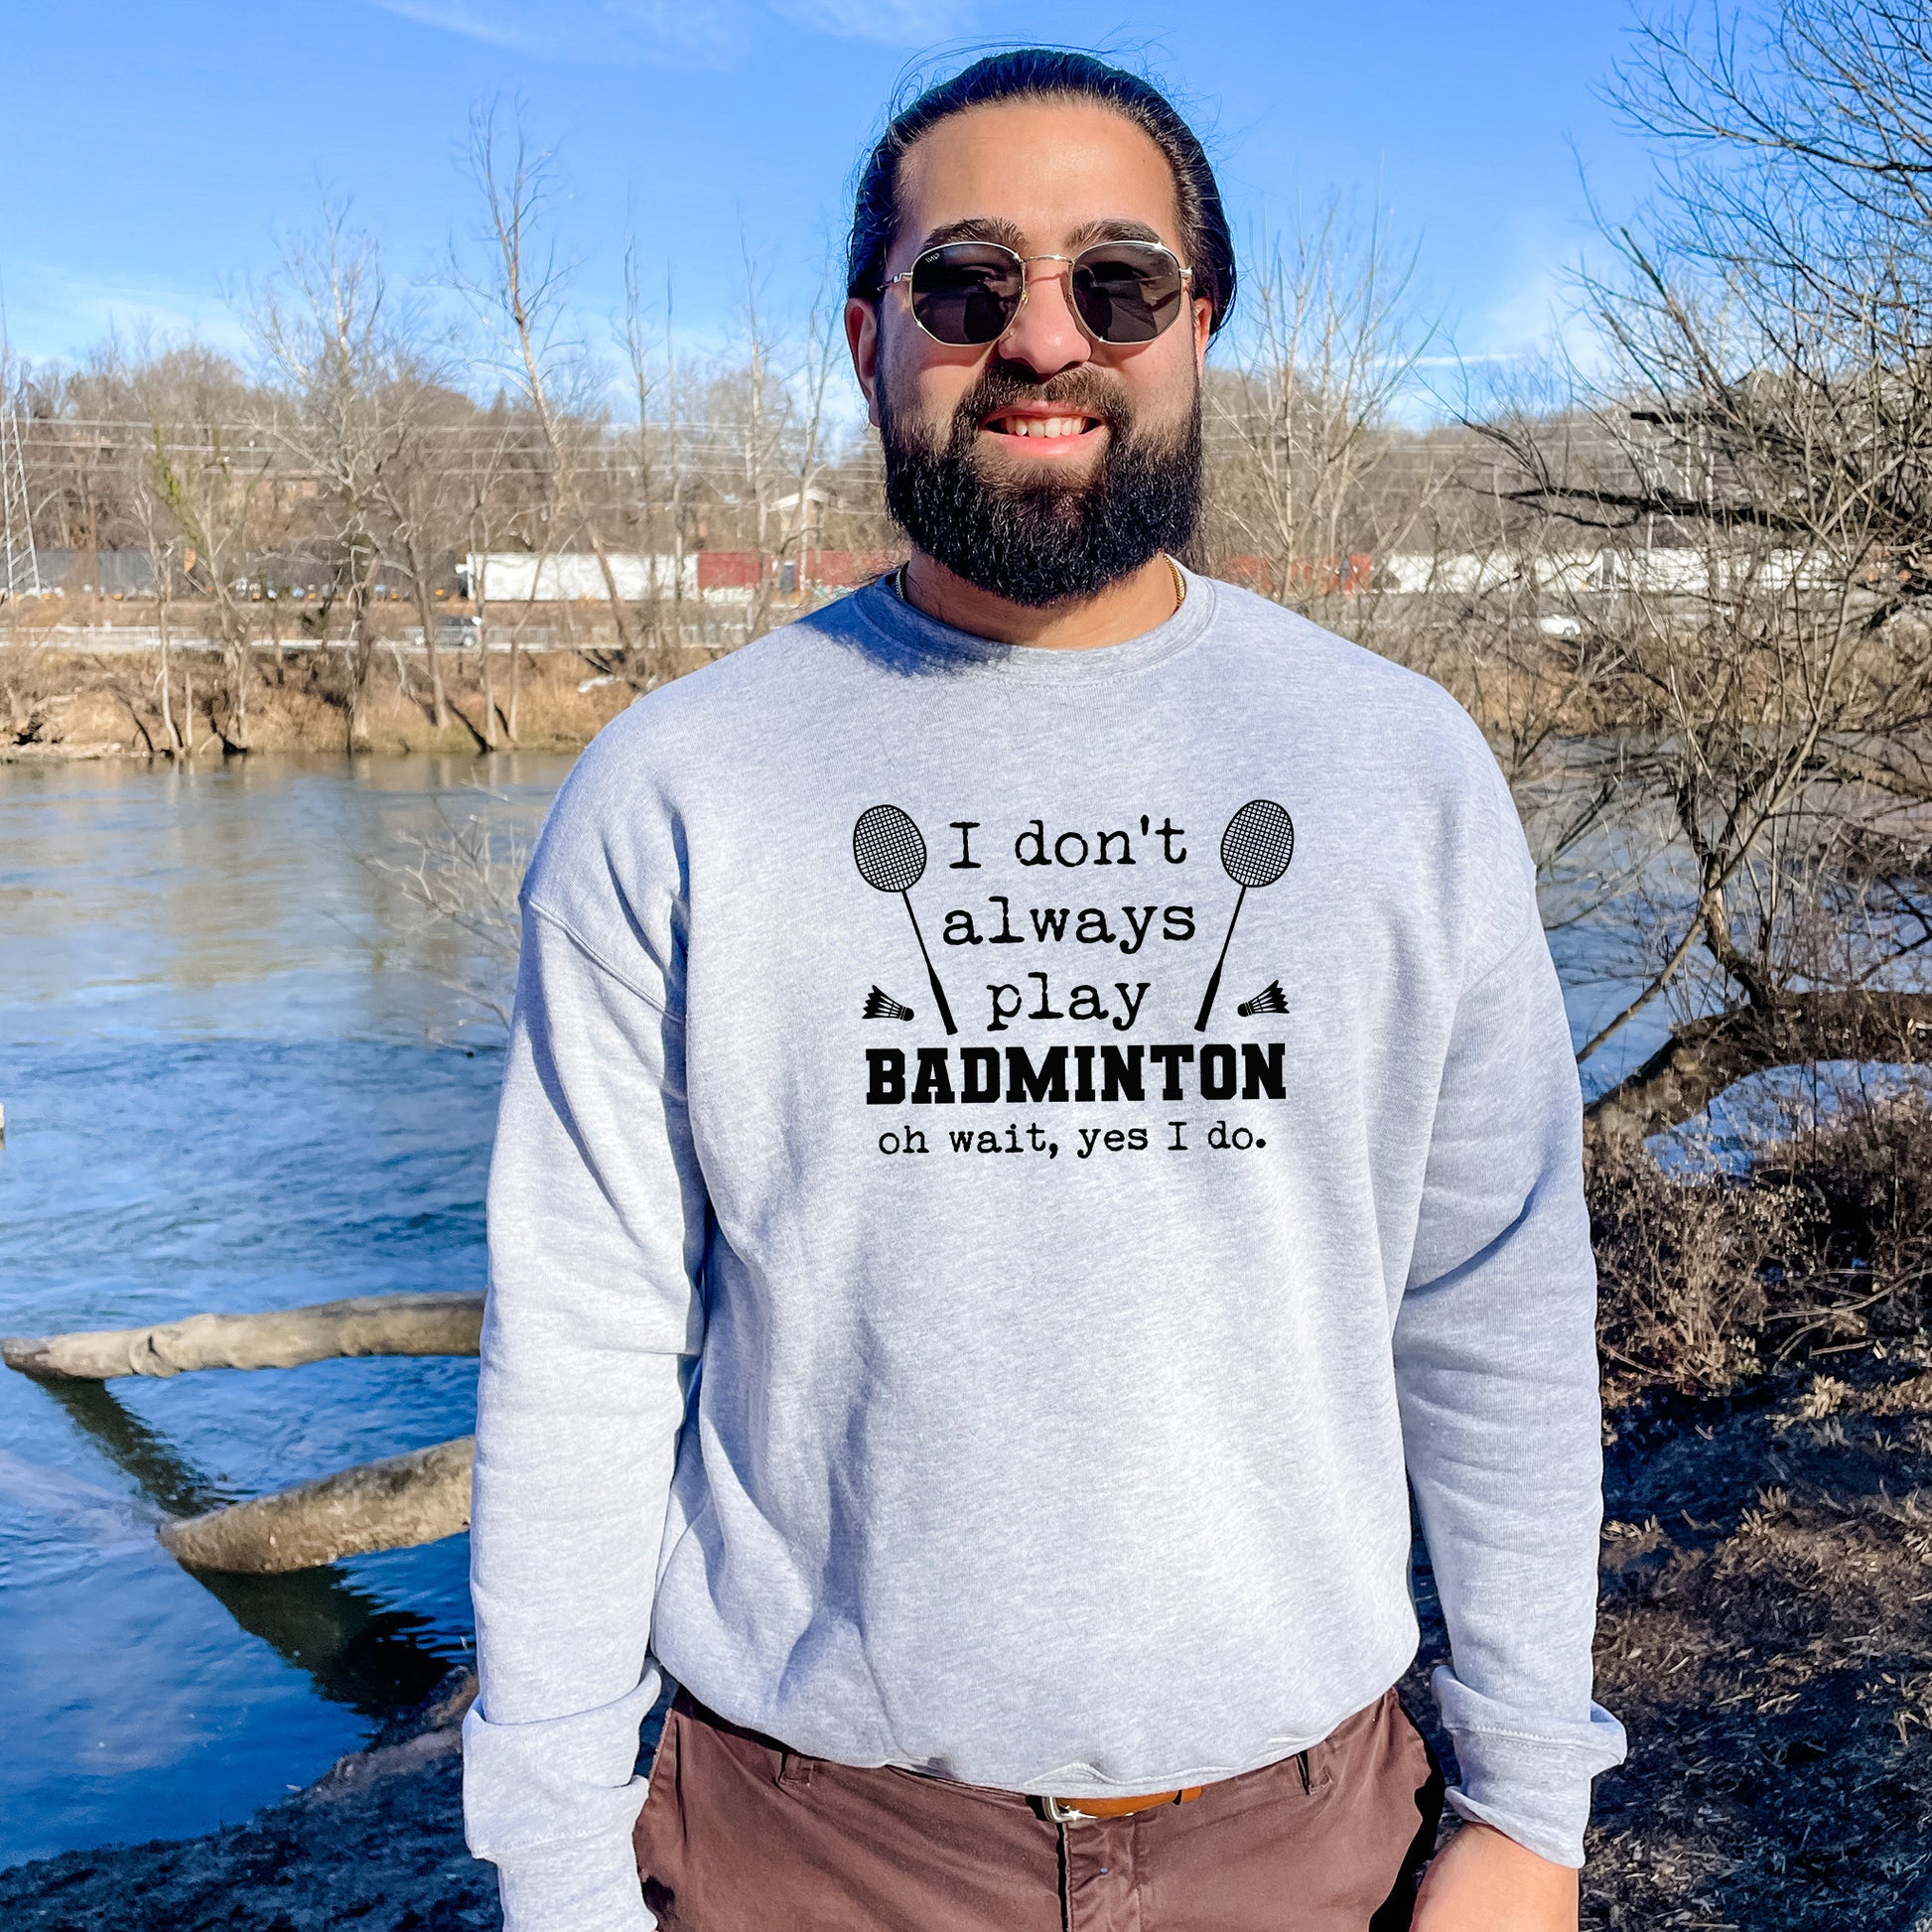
975,1345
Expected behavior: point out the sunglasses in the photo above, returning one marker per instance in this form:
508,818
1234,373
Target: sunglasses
966,293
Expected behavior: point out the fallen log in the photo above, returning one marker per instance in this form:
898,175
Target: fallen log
388,1505
1704,1057
365,1324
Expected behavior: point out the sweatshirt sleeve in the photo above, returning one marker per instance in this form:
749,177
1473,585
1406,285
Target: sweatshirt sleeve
1496,1370
597,1227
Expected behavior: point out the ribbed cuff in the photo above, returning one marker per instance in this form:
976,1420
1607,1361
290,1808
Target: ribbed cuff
586,1884
1529,1779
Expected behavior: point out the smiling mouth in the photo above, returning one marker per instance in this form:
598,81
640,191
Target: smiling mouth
1043,427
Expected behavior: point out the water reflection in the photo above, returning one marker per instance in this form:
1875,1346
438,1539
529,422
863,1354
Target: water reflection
220,1094
355,1652
234,900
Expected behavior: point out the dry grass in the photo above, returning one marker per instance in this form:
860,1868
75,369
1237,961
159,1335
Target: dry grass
1767,1636
1766,1630
1709,1281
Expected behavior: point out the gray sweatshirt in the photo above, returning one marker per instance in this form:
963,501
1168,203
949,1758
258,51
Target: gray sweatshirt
1011,1164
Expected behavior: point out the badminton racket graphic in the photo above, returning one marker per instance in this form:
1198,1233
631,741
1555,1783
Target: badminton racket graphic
1255,851
890,855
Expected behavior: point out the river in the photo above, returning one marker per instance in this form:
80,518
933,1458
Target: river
232,1079
225,1086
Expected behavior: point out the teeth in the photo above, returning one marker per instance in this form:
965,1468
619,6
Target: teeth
1044,425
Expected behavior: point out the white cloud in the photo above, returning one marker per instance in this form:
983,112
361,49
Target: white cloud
683,33
691,35
896,23
54,314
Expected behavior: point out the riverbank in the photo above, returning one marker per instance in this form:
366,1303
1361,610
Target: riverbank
377,1843
61,704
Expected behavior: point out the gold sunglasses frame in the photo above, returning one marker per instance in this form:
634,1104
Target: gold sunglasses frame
1066,276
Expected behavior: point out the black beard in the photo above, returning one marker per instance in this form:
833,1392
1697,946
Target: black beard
1044,543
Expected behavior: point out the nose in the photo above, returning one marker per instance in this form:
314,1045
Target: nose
1045,336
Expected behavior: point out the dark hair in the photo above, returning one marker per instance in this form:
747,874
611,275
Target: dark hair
1045,73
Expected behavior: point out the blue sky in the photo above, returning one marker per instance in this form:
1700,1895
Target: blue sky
153,152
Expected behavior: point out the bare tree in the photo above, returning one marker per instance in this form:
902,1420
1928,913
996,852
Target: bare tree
320,326
207,473
521,298
1758,488
1301,421
364,400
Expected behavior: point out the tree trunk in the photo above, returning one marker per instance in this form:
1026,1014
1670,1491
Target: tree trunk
398,1502
167,693
237,734
426,610
361,655
1704,1056
367,1324
488,687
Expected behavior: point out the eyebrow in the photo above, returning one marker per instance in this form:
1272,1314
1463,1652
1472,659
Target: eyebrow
976,227
1008,234
1112,227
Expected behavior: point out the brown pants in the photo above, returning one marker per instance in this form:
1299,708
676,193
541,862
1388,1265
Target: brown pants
740,1835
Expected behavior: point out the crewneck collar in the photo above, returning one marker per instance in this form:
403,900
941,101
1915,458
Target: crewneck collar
906,627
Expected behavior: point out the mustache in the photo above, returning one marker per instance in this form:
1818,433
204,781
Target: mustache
1083,391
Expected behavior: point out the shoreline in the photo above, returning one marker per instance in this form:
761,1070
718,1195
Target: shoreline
375,1842
64,706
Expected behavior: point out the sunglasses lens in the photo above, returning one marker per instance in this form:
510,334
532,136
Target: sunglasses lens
966,292
1127,292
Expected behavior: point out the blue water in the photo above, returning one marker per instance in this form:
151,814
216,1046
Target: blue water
224,1066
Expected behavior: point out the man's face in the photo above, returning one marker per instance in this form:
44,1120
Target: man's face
1038,518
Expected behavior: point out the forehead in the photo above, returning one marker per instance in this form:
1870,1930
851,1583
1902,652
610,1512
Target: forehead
1050,168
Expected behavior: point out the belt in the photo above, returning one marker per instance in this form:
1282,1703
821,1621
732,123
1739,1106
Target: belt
1087,1811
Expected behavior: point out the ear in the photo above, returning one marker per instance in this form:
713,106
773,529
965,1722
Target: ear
1203,319
862,338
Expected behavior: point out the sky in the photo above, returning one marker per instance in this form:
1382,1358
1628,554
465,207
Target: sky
157,154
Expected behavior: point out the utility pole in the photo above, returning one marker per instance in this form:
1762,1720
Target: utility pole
20,569
20,573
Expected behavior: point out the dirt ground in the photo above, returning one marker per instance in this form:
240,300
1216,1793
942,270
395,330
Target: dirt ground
1766,1638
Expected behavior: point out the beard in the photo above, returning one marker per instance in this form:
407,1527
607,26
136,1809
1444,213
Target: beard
1052,541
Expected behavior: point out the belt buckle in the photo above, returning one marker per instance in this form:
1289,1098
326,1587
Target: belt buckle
1060,1814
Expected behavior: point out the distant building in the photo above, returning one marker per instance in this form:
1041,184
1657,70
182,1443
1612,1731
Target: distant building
571,576
729,576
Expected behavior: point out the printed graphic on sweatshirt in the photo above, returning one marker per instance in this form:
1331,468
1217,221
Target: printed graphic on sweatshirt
1271,999
1255,851
890,853
1256,848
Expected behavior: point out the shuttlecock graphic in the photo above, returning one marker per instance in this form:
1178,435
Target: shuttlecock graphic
880,1004
1271,999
